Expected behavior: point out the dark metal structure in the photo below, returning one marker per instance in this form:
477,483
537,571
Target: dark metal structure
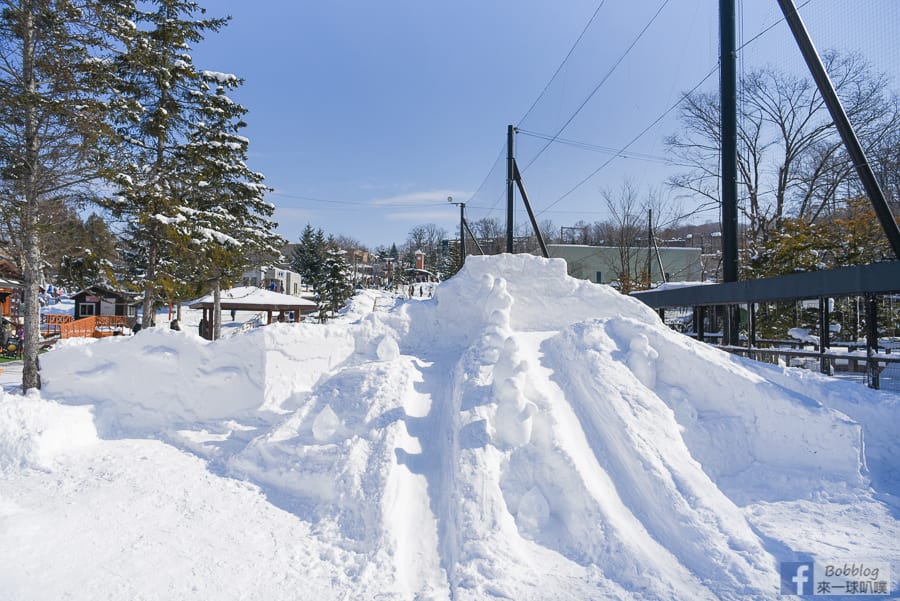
513,180
845,129
867,281
728,130
510,186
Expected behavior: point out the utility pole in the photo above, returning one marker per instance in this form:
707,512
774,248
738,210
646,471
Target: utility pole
728,99
462,229
728,110
649,248
510,186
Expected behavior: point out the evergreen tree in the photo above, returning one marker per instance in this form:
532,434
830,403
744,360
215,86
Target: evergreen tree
162,98
850,236
52,77
91,256
335,287
227,220
309,256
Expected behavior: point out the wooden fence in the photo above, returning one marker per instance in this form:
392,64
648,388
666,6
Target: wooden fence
96,326
53,323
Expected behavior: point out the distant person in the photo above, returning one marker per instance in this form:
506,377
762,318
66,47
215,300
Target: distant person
203,327
136,327
233,314
174,325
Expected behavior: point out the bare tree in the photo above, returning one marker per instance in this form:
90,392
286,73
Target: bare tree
426,238
491,234
790,159
623,231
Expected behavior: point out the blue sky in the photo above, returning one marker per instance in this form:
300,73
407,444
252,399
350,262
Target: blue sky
365,116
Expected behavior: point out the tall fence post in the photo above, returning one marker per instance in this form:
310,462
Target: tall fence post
872,341
510,186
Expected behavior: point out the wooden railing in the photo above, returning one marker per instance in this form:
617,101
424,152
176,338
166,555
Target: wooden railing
95,326
112,321
79,328
53,322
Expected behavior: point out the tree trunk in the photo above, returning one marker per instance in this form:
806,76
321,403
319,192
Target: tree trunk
31,377
217,311
147,307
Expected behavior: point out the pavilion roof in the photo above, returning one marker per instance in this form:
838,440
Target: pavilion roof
251,298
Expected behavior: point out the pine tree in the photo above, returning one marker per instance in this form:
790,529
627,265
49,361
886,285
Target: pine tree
309,256
335,287
52,77
161,98
90,257
227,220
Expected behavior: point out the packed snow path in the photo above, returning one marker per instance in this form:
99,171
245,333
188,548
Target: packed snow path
522,435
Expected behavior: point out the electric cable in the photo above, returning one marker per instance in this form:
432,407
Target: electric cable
603,80
632,141
563,63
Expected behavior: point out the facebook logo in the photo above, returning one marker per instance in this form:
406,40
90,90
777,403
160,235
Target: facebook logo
797,578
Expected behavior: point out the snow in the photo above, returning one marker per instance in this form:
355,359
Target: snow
520,435
252,295
222,78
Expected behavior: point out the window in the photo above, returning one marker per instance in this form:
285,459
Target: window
86,309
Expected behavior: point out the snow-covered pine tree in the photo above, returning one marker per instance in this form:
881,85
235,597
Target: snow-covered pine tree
160,96
335,287
52,76
228,219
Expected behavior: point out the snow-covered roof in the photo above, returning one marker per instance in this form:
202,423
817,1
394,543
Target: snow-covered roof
251,298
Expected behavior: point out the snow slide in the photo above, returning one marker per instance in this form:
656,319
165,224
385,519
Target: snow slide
521,435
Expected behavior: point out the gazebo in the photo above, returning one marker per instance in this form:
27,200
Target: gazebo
250,298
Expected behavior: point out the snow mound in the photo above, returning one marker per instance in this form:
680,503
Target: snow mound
164,378
520,435
33,432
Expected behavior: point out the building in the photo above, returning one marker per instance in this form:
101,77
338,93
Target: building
10,288
604,264
100,300
276,279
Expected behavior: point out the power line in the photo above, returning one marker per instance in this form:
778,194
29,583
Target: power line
660,118
355,204
640,156
633,140
563,63
602,81
488,176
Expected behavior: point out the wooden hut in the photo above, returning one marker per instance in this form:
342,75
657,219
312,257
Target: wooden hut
100,300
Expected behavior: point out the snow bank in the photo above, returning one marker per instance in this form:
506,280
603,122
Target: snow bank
33,432
163,378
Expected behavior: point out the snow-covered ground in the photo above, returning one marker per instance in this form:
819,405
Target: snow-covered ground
520,435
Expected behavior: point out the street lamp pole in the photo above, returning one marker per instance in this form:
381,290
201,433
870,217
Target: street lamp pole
462,229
